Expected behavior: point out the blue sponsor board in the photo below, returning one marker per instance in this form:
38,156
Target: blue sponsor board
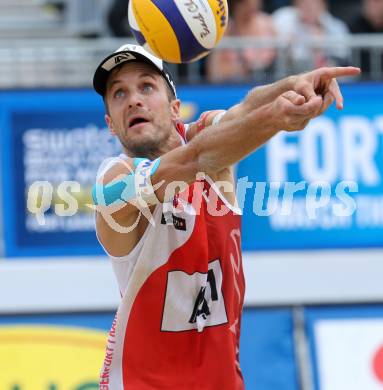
321,188
266,352
51,139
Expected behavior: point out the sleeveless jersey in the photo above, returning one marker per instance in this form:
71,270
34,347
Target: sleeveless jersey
178,324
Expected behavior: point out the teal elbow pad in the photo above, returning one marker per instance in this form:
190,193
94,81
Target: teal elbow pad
122,190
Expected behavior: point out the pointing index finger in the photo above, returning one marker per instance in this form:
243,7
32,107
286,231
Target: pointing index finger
340,71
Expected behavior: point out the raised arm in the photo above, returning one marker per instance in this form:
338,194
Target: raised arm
287,105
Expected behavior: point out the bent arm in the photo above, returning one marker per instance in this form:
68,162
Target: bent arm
285,105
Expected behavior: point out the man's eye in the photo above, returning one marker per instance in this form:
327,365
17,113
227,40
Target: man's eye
119,93
147,87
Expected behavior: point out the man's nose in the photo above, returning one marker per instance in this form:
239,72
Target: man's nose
135,100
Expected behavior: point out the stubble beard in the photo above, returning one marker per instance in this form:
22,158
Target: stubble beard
150,148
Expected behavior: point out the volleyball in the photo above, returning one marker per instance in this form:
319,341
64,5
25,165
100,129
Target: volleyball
178,31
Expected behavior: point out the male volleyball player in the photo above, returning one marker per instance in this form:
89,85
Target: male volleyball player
172,233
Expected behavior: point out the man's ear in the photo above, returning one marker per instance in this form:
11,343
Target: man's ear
175,105
109,122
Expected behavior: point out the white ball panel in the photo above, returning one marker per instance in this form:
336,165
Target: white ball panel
132,19
200,18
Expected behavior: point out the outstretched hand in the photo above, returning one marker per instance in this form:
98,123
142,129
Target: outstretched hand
322,82
292,112
311,94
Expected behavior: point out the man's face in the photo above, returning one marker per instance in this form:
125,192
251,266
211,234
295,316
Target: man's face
139,111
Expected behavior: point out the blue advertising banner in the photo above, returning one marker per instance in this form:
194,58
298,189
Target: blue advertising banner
52,145
267,353
49,349
320,188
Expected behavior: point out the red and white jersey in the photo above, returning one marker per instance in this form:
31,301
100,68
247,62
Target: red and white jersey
182,286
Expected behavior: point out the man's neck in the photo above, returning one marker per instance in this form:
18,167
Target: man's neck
174,141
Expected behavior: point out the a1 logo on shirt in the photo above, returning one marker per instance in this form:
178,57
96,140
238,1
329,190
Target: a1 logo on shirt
194,301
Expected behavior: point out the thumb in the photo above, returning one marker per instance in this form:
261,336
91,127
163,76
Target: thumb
294,98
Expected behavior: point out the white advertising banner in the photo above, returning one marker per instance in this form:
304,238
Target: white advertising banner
349,354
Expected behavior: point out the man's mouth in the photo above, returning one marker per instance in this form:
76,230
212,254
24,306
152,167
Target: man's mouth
137,121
